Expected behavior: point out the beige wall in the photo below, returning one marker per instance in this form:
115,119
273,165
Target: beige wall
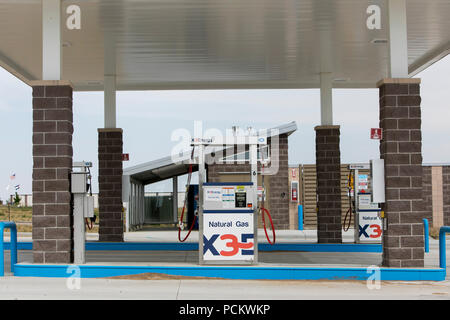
293,206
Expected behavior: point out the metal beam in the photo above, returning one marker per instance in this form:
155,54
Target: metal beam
326,98
398,39
109,82
429,59
51,40
175,198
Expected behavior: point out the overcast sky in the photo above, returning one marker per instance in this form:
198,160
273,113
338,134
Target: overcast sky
148,119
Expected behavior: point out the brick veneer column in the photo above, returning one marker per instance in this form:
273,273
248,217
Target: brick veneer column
52,163
110,184
427,194
401,149
279,188
328,172
446,193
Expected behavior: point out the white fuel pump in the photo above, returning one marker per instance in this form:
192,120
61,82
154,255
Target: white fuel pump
83,206
228,211
366,193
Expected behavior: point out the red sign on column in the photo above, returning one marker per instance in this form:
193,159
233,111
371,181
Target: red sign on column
125,157
375,133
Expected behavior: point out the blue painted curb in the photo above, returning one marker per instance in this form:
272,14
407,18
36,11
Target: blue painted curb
175,246
230,272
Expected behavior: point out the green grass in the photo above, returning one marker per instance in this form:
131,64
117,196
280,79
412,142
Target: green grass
24,214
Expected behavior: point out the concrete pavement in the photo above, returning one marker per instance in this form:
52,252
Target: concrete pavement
110,289
206,289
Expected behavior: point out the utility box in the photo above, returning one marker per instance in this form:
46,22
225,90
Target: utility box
79,182
377,180
88,207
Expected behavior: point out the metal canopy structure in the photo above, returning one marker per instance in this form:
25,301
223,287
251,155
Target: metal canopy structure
215,44
166,168
137,177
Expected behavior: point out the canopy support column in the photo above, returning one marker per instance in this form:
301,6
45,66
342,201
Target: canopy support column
328,167
51,40
110,149
401,149
326,98
398,39
109,82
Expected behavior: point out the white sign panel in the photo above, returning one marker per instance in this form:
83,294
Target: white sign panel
213,194
365,202
228,236
370,227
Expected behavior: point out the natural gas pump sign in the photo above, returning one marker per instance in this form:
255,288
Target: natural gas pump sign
228,226
228,236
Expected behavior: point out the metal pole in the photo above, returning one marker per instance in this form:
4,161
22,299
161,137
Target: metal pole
110,82
254,178
326,98
78,228
442,253
175,198
201,176
79,236
398,39
426,234
355,194
51,40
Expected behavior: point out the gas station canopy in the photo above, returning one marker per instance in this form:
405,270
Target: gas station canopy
222,44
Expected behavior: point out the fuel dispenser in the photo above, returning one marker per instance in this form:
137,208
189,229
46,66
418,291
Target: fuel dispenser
227,211
83,207
366,193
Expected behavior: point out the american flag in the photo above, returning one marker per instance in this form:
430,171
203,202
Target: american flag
12,177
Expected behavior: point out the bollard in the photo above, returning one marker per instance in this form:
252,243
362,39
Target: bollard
442,253
300,217
426,234
13,248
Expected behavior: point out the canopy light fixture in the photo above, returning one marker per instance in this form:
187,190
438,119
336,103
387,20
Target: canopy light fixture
379,41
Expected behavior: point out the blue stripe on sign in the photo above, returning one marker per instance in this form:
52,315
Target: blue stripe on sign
232,272
227,211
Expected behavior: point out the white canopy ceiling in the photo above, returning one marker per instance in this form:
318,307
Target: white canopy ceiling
222,44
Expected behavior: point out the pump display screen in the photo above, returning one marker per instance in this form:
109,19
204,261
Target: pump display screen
241,199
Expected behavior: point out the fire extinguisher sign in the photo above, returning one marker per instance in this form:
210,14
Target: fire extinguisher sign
376,134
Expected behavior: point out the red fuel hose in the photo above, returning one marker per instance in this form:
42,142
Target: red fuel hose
87,223
348,214
263,211
184,205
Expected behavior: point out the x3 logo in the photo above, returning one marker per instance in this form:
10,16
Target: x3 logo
376,231
233,243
